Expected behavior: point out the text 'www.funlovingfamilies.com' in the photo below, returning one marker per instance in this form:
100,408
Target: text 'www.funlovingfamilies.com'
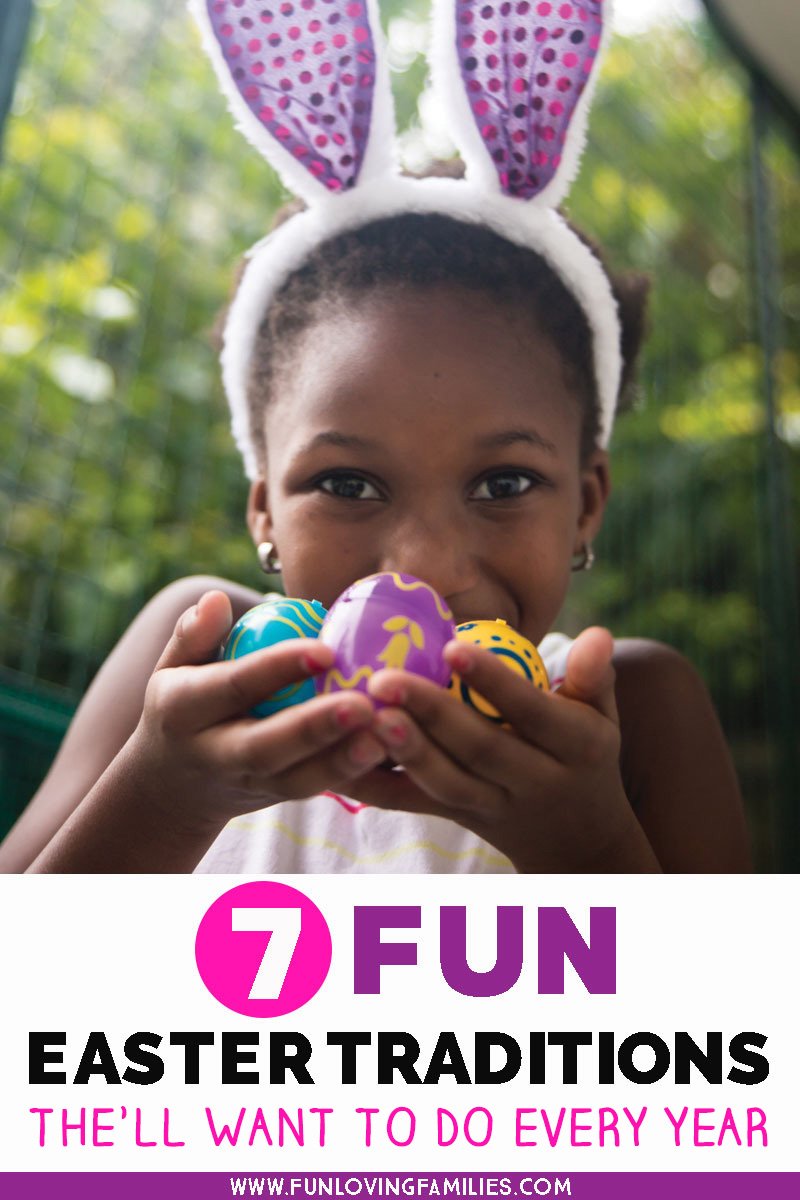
414,1186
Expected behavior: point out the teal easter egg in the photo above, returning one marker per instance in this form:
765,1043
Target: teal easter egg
277,620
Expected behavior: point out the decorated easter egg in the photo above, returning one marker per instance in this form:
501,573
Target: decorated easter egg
386,620
514,650
278,619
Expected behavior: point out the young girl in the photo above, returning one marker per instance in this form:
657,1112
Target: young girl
424,382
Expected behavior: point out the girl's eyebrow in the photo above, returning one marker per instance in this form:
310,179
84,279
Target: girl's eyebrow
509,436
346,441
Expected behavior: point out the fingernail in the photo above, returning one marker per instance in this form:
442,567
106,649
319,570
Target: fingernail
364,751
460,661
395,733
187,620
346,717
388,692
312,665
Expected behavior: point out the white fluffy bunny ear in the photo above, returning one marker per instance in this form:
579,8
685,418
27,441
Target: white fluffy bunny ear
515,77
308,83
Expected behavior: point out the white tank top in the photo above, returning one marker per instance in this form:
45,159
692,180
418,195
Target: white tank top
331,833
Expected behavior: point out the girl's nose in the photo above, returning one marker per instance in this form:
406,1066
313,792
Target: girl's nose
434,552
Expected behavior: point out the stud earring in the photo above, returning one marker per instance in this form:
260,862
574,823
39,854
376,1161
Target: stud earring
268,558
584,559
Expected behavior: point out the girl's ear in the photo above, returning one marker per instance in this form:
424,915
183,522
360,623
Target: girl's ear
259,521
595,490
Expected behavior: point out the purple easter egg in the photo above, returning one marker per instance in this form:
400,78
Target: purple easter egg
386,620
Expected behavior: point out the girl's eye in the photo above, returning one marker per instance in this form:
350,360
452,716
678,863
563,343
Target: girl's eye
504,485
349,487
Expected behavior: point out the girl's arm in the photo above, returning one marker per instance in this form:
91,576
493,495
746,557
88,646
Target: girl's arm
107,717
676,766
197,757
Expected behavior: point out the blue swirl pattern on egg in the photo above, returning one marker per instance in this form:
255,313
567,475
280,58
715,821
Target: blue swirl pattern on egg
278,619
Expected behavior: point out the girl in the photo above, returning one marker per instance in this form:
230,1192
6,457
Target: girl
422,381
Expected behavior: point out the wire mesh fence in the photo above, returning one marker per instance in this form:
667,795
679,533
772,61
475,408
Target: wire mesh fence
126,198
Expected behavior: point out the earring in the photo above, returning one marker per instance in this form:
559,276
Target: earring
584,560
268,559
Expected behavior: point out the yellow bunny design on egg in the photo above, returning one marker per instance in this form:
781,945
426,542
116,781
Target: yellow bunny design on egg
399,645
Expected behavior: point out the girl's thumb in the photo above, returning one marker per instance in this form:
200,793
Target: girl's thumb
590,674
198,632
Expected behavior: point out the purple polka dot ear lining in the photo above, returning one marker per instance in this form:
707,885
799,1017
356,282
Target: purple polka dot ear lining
307,82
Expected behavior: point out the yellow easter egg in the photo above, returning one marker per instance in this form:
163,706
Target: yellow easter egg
514,650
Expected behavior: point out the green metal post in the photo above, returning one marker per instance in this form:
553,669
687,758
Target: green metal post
15,18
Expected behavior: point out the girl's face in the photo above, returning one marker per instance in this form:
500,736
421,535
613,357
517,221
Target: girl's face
432,433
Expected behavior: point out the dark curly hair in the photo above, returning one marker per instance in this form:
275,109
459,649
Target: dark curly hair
414,250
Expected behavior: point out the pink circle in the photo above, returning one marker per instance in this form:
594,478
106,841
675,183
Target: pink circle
263,948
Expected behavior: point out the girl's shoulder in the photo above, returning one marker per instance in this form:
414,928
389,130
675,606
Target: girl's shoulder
168,604
653,679
675,763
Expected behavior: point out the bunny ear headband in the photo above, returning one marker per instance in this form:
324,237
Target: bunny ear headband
308,84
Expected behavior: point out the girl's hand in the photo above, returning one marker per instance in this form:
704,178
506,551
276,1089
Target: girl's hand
196,758
199,741
549,795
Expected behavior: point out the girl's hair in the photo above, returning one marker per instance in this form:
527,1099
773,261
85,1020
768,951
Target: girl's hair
422,250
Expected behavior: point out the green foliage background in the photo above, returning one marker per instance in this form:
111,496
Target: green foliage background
126,199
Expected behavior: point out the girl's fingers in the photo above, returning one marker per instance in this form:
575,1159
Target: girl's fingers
479,745
298,752
458,791
394,790
566,732
198,632
195,698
